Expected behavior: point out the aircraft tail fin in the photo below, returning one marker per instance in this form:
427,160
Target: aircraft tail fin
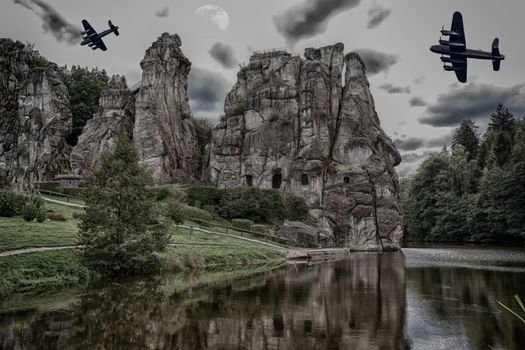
111,26
495,52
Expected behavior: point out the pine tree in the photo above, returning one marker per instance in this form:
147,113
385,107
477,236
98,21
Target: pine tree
501,135
467,136
516,203
121,231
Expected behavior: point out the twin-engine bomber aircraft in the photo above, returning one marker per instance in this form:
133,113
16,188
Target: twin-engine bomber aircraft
93,39
458,54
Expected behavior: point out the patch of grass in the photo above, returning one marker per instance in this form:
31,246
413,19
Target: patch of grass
29,271
15,233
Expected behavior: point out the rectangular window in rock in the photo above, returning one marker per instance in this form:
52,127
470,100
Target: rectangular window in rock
249,180
277,181
304,179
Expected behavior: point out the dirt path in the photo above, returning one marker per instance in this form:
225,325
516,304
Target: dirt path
36,249
62,203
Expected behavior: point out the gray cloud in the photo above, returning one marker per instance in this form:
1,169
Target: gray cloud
377,61
415,157
474,101
404,172
224,54
309,18
392,89
53,22
419,79
409,144
207,90
376,15
163,12
440,141
417,101
414,143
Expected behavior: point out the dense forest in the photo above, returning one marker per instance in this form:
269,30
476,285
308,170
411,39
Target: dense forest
474,192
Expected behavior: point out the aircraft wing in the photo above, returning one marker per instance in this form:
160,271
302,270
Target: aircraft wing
457,26
99,44
460,66
88,28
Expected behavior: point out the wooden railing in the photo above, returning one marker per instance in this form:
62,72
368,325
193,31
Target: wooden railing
228,228
57,194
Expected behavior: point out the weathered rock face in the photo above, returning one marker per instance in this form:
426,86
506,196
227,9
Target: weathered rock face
115,117
295,126
163,133
35,117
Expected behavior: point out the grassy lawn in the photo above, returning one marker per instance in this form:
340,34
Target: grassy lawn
28,271
16,233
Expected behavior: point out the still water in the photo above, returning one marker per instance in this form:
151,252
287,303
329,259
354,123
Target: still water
423,298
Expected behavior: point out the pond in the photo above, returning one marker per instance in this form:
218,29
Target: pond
424,298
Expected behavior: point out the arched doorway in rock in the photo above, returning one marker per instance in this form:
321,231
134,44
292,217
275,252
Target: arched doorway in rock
346,179
277,180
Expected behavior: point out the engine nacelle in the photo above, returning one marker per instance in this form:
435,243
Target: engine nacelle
451,68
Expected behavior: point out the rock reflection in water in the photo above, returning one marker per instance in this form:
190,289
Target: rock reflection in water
358,303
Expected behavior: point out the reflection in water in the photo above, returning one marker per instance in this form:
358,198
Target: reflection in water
369,301
357,303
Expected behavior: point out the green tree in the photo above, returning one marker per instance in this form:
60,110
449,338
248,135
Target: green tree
516,204
85,87
203,129
467,136
121,230
422,196
501,135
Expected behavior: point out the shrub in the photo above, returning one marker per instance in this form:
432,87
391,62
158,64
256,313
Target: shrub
195,213
258,228
47,186
162,194
243,224
56,217
236,111
201,195
252,203
210,209
32,208
41,216
192,260
174,211
274,117
295,208
77,215
11,203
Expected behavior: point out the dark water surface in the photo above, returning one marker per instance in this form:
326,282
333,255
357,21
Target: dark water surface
423,298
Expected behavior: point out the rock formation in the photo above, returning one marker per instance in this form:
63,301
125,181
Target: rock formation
163,131
293,125
35,117
115,117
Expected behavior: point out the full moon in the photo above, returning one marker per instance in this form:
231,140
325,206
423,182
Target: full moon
215,14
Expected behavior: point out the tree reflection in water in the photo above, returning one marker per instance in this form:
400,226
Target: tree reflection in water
358,303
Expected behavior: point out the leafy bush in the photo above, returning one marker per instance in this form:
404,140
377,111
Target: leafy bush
47,186
236,111
162,194
262,206
243,224
56,217
77,215
41,216
258,228
295,208
194,213
32,209
11,203
175,212
192,260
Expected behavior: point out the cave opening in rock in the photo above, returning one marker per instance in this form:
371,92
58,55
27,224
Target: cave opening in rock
346,180
249,180
304,180
277,180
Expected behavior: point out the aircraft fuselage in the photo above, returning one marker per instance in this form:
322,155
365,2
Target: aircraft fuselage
468,53
98,36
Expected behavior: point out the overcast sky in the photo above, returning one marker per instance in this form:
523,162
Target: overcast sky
418,103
